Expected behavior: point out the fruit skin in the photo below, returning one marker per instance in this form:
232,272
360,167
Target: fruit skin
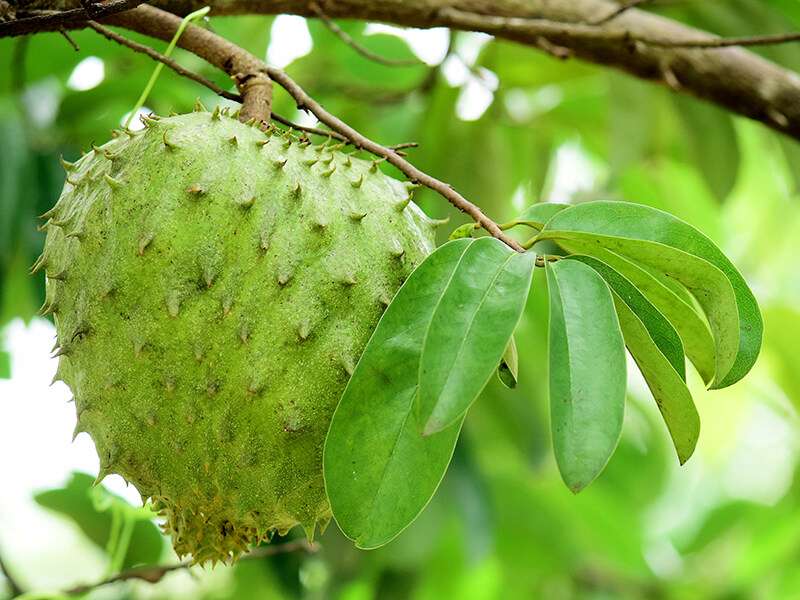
212,287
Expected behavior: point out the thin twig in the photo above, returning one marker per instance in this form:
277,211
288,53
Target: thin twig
155,573
65,34
554,50
64,19
622,8
365,52
404,145
155,55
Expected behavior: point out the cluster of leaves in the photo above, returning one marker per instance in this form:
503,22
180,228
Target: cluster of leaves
626,276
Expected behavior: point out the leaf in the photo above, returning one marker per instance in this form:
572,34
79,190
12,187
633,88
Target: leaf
380,472
473,321
697,340
708,284
539,214
672,397
75,501
657,350
587,371
508,371
663,334
663,242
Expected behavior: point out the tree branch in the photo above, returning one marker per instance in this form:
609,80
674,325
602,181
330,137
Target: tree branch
654,48
59,20
305,102
175,66
248,73
730,77
155,573
220,52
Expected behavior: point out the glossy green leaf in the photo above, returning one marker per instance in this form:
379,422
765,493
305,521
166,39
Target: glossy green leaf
658,351
661,241
672,397
473,321
508,371
697,339
539,214
658,327
708,284
587,371
380,471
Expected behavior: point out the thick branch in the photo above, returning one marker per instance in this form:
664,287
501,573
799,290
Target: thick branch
248,72
218,51
655,48
59,19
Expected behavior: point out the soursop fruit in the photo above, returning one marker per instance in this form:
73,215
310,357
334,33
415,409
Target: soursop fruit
212,287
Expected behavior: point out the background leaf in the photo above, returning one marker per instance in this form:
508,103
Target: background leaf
714,146
508,371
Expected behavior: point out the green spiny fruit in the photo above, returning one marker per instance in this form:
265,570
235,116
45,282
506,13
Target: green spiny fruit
212,287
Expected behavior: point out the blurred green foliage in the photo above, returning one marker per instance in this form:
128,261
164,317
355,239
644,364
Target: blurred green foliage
502,525
103,517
